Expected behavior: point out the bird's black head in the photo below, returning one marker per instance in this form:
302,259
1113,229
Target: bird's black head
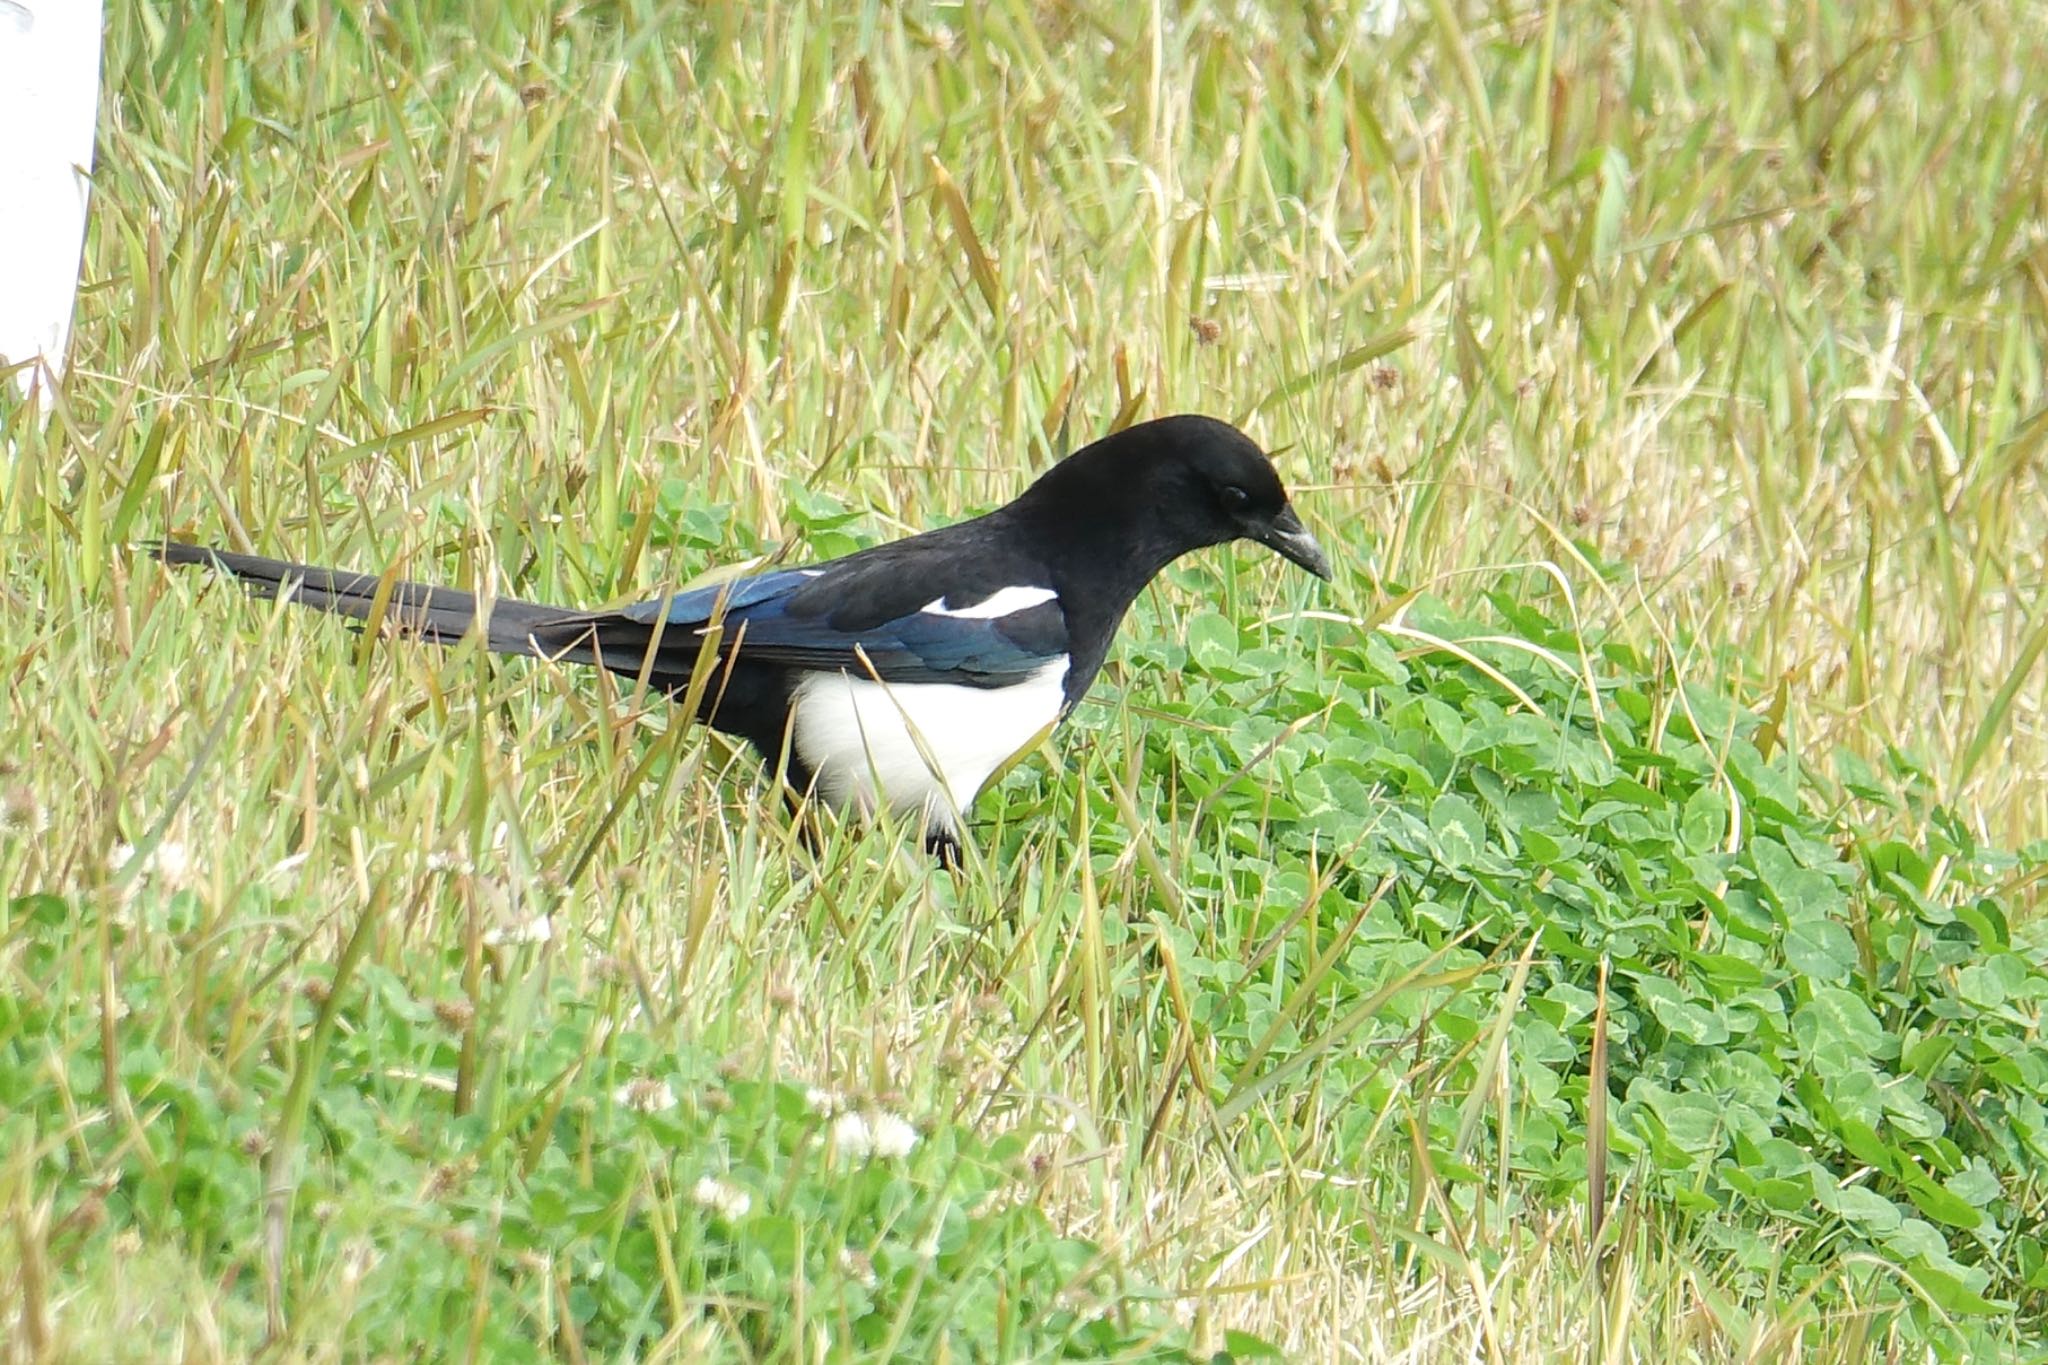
1182,483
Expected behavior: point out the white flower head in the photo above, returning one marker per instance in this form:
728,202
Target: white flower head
536,930
173,862
824,1101
648,1094
893,1135
851,1136
857,1136
169,863
1377,18
728,1201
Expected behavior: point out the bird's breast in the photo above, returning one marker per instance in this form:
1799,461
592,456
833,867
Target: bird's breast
923,749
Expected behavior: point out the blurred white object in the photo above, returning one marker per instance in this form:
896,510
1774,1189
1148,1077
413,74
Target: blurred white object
49,97
1376,18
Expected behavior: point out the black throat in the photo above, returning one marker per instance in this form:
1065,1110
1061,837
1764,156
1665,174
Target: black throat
1102,538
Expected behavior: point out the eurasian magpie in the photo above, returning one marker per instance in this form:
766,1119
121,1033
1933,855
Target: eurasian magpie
908,673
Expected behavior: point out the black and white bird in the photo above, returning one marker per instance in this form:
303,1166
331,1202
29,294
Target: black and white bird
904,675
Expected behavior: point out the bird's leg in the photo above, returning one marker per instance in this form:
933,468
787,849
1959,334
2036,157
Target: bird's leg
944,845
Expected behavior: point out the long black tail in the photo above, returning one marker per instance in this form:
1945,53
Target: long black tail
440,615
745,699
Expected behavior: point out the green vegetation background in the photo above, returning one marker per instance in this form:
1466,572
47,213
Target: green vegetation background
1668,380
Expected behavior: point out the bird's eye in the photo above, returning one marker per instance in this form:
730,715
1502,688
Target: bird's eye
1235,499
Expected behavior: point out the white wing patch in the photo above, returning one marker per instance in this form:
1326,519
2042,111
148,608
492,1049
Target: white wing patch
922,749
1005,602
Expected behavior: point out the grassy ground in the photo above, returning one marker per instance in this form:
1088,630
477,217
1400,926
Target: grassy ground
1634,361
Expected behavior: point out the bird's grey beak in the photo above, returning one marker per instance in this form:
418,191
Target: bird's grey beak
1291,539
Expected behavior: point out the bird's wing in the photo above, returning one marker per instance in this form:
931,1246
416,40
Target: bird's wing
879,614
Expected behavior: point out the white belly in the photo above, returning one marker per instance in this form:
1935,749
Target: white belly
923,749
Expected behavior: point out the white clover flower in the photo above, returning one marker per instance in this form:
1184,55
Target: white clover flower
857,1137
729,1202
647,1094
536,930
851,1136
893,1136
